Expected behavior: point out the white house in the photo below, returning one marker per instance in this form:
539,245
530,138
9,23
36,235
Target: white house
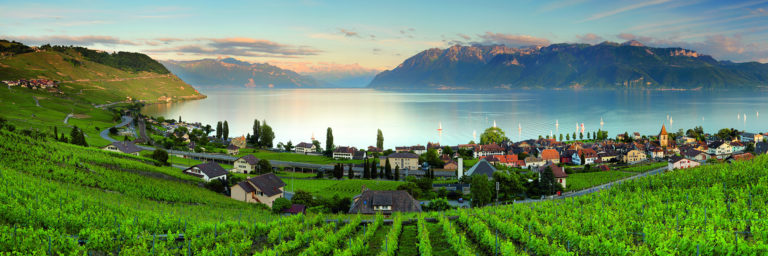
126,147
245,164
207,171
676,162
344,152
305,148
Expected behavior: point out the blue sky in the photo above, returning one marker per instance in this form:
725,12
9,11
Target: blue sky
364,34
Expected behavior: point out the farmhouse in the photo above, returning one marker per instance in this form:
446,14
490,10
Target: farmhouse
126,147
265,189
386,202
676,162
207,171
245,164
344,152
304,147
232,149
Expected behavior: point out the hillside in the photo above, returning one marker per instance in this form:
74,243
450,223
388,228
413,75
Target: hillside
93,76
232,73
76,200
630,65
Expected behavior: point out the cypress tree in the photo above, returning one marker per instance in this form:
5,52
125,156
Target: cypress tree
256,133
388,170
374,170
329,142
218,130
397,172
56,132
366,173
225,133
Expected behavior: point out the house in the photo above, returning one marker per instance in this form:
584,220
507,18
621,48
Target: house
360,155
409,161
558,171
677,162
657,153
488,150
533,161
737,147
304,147
550,155
402,149
637,136
373,149
575,158
126,147
607,156
588,154
239,142
419,149
435,146
344,152
719,149
207,171
296,209
761,147
663,137
384,201
482,167
245,164
695,155
751,137
634,156
232,149
508,160
265,189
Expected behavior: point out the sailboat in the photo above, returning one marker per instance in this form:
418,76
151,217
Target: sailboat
557,125
494,123
601,123
474,135
738,116
440,126
671,121
582,127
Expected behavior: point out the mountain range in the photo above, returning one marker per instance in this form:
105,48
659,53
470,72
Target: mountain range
607,65
233,73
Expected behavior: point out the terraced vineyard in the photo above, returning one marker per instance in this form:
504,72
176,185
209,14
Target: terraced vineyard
59,199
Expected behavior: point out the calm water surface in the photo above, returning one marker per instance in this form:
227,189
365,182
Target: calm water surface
410,118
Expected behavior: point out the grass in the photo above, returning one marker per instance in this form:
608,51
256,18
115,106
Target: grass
19,108
190,162
440,245
293,157
342,188
377,242
579,181
643,167
469,163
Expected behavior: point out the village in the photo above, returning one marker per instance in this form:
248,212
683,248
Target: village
449,169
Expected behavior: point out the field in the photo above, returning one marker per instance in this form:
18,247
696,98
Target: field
579,181
342,188
60,199
292,157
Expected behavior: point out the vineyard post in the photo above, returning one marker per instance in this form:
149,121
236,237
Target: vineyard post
49,245
697,250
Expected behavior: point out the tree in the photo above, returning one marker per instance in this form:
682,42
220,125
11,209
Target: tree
589,135
510,184
561,137
338,171
267,135
256,133
280,204
594,135
574,136
387,169
264,166
380,140
303,197
219,126
77,137
547,183
750,147
411,188
432,158
581,136
397,172
366,170
161,156
439,204
492,135
351,173
447,150
225,132
207,129
288,146
374,170
567,136
481,190
329,142
317,145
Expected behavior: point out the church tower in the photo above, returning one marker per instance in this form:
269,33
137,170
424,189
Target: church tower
663,137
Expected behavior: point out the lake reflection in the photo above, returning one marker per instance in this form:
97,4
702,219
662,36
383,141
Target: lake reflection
409,118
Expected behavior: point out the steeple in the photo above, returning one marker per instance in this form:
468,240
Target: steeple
663,130
663,137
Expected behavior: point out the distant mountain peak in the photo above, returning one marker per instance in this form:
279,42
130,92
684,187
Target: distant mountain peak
633,43
231,60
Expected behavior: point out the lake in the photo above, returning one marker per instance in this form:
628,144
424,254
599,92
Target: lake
410,118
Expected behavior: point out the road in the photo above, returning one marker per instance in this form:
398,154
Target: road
105,133
66,119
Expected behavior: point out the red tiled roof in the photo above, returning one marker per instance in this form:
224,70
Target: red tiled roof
550,154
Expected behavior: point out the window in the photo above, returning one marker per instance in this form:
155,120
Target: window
382,207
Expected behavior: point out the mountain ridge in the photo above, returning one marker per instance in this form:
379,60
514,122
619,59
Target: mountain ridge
233,73
607,65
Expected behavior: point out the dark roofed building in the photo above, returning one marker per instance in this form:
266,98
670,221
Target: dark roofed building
264,189
296,209
386,202
207,171
482,167
245,164
126,147
232,149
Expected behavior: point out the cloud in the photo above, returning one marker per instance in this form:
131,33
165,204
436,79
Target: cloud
601,15
628,37
721,47
554,5
71,40
237,46
589,38
376,51
349,33
465,37
512,40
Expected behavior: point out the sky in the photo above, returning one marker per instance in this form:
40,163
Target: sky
312,34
